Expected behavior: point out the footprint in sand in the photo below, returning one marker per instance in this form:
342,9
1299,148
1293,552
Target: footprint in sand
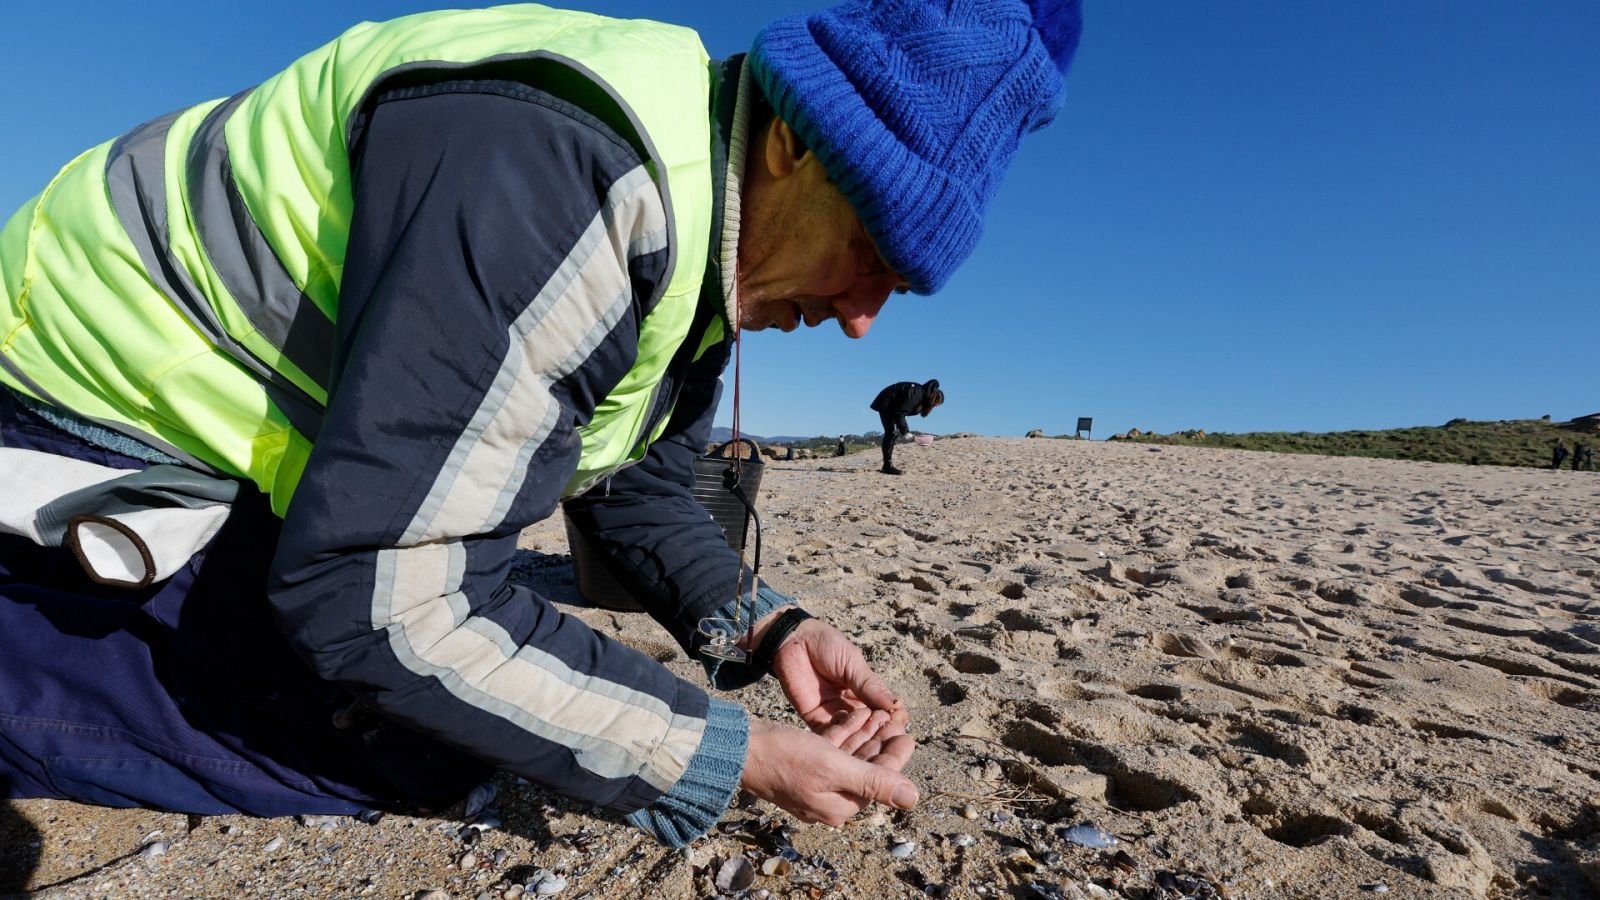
946,688
1077,767
968,663
1191,646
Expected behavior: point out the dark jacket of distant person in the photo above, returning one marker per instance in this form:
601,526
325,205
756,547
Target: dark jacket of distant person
906,397
894,403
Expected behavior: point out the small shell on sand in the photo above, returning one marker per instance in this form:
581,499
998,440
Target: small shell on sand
1087,835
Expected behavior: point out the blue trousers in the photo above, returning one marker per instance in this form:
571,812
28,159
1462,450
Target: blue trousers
182,695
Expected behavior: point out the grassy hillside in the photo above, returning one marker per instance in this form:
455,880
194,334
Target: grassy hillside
1517,442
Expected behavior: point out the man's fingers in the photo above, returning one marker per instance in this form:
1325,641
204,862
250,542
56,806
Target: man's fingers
859,678
876,719
900,715
870,750
898,720
819,718
845,725
871,689
817,780
896,752
885,785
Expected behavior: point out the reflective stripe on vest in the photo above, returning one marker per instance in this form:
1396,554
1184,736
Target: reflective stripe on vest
136,184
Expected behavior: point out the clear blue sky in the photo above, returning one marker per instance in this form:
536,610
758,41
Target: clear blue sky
1264,215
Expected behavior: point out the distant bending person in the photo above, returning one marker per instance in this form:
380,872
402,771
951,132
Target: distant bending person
894,403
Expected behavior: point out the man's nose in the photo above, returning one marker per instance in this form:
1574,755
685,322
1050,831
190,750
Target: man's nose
857,309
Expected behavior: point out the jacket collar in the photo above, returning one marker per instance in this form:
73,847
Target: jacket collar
731,93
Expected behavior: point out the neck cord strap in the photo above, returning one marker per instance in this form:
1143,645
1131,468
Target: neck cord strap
737,463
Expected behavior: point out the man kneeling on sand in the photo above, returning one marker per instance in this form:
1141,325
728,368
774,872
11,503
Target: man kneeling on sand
285,375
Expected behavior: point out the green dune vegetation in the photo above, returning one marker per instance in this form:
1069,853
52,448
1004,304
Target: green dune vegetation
1514,442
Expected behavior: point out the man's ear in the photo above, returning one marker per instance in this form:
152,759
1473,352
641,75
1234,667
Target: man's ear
785,150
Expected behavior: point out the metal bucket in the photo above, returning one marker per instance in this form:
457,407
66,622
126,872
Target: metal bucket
714,478
595,582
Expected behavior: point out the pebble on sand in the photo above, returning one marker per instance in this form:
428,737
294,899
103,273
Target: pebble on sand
1087,835
550,885
903,850
273,844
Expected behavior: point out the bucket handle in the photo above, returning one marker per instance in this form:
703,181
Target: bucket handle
719,451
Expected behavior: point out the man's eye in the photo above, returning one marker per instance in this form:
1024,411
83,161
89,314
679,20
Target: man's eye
869,263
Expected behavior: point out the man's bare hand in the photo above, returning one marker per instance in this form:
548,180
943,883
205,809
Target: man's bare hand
827,679
815,779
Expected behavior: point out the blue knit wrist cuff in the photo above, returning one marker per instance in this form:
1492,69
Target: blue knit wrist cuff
725,676
707,786
98,435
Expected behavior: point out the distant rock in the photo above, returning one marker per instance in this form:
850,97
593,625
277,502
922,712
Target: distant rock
1134,432
1036,433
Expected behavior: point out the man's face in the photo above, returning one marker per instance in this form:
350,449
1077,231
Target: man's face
804,256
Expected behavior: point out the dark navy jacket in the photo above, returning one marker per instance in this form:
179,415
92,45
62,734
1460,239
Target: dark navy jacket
475,203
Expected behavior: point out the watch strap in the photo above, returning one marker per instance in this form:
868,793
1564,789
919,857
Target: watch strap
779,632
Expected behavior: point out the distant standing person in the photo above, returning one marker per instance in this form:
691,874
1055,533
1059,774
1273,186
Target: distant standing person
894,403
1558,455
1579,452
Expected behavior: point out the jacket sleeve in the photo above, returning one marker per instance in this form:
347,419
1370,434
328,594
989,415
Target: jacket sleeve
503,250
662,544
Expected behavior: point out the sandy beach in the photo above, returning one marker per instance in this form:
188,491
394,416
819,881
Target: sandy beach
1260,675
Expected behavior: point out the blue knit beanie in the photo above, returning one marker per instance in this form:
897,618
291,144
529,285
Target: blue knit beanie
916,107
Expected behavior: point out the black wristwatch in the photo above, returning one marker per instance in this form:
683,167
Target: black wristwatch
788,621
